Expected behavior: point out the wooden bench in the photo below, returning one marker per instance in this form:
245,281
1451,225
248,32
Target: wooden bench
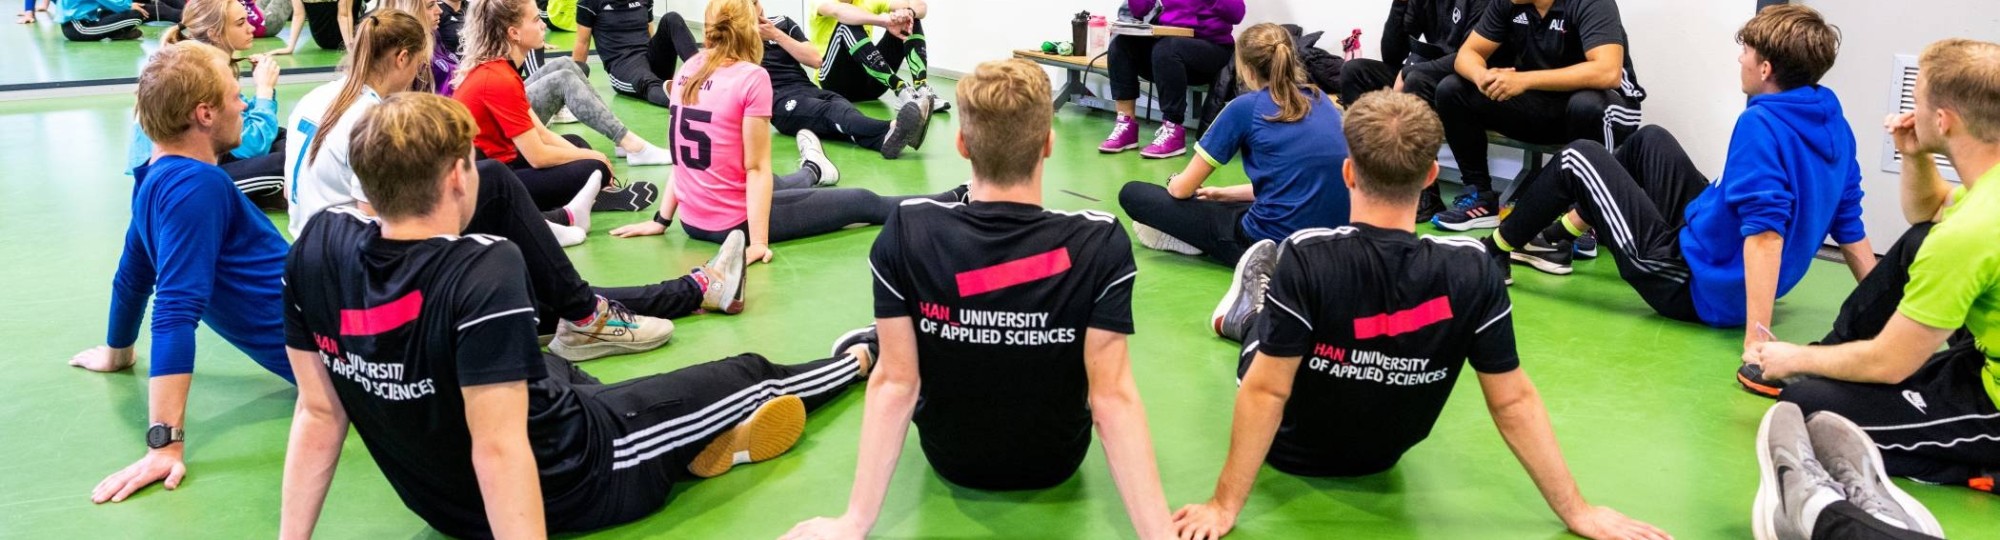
1079,68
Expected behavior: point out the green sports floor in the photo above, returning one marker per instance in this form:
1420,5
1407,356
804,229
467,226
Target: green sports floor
1647,412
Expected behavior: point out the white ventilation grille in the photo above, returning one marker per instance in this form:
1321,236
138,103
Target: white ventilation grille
1902,99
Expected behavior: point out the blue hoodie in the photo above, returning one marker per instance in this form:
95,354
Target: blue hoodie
1791,169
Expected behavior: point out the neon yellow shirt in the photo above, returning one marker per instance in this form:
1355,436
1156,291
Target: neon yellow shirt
821,26
1955,280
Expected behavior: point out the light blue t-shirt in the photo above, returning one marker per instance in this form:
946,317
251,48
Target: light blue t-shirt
1294,167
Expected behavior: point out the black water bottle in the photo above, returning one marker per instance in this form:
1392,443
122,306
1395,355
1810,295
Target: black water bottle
1079,31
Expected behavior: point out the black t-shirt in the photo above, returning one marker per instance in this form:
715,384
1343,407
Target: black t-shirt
619,29
1384,322
1001,295
1441,24
450,22
786,72
403,327
1530,41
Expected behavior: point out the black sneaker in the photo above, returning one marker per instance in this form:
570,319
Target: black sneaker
1474,210
1245,298
1429,205
1751,376
1499,260
633,197
860,336
1586,246
906,131
1549,257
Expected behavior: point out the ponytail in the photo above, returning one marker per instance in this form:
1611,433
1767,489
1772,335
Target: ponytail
731,36
201,20
378,38
1269,53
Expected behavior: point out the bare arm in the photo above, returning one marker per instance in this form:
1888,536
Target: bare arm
1762,255
893,387
1517,410
497,417
346,21
802,51
580,51
1602,69
1860,258
757,167
1121,420
1896,353
1472,58
920,8
1185,184
298,25
541,152
851,14
319,427
1925,192
1260,406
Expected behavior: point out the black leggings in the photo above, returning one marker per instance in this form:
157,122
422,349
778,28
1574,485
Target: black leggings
1603,116
799,212
505,209
1215,228
1362,75
827,114
553,187
1636,200
323,22
671,44
860,69
163,10
1843,520
651,428
105,24
1172,63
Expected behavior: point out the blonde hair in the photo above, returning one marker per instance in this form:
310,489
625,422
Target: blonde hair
1268,52
1393,138
403,146
1796,40
1964,75
730,36
1004,120
378,38
484,37
201,20
179,79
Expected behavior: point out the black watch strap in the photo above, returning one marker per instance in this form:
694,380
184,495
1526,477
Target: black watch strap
160,435
662,220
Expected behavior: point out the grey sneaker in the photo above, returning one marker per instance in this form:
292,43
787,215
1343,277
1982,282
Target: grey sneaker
1156,239
906,131
725,276
1790,475
811,151
1246,291
1851,457
613,330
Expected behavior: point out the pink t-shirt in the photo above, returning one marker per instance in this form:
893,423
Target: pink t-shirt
709,176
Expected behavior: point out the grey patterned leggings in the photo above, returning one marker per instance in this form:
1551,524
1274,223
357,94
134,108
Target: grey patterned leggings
562,83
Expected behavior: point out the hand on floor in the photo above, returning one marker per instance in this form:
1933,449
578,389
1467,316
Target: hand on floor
643,228
758,253
1606,524
826,529
1205,521
159,464
103,359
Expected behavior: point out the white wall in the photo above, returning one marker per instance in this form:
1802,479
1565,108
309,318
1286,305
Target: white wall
692,9
1873,33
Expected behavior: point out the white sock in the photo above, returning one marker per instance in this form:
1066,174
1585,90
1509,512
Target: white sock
580,205
1809,512
566,235
650,155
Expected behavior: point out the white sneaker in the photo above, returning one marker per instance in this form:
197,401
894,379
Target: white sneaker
614,330
1155,239
938,104
563,117
811,151
652,155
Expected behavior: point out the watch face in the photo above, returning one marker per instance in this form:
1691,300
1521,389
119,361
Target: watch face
157,436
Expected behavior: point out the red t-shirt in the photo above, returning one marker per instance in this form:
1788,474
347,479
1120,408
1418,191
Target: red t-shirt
493,91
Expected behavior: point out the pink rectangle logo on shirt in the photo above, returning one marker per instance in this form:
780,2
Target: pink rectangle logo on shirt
1403,322
382,318
1014,272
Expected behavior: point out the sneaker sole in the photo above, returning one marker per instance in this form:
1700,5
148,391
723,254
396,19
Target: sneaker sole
1758,389
1544,265
1158,240
1229,299
731,255
1763,512
584,353
923,129
769,432
1488,222
1118,150
840,344
1591,254
1925,522
1176,153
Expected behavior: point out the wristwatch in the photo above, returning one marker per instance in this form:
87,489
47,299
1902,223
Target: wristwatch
662,220
161,435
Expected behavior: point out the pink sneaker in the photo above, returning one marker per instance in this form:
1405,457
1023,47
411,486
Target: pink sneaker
1124,136
1169,141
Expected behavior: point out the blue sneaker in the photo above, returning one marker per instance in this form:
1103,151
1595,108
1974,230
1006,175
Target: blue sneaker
1474,210
1586,245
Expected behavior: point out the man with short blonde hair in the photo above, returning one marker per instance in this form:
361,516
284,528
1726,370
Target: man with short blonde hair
1008,321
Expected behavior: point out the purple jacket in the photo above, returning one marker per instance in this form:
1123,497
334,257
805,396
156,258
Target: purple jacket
1212,20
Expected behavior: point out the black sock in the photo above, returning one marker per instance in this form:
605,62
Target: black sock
812,168
1557,233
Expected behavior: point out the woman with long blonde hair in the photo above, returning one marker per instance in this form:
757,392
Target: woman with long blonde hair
257,164
721,102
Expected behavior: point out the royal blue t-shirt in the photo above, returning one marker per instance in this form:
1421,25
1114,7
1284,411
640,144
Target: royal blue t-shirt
1294,167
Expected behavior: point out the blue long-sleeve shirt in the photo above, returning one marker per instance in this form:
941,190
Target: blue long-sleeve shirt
71,10
260,128
204,254
1791,169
